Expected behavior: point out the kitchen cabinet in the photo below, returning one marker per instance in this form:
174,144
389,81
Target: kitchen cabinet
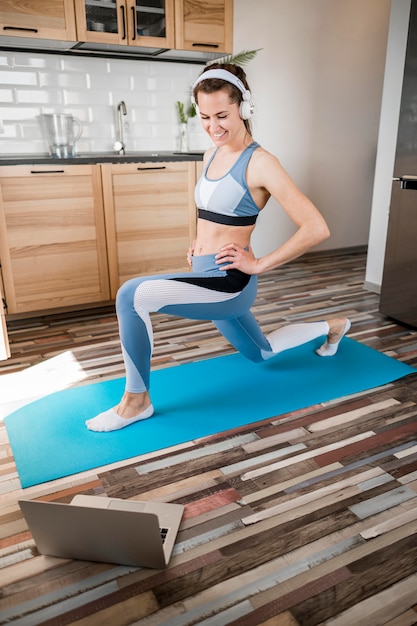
198,25
70,235
4,341
43,19
52,237
150,26
204,25
126,22
150,218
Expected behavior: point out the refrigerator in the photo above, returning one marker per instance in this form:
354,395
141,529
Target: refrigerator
399,282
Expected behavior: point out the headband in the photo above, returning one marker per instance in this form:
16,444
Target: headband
223,75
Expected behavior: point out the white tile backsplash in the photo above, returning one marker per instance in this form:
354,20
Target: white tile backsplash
25,96
6,95
90,89
12,77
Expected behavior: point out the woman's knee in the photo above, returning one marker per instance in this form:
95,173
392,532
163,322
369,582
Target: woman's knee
125,295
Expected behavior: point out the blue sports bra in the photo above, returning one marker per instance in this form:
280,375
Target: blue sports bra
227,200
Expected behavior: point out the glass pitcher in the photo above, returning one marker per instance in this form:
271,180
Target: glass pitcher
62,132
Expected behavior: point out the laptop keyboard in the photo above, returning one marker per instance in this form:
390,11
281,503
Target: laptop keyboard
164,532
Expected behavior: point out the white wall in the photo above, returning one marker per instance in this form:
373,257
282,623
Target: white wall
390,111
317,85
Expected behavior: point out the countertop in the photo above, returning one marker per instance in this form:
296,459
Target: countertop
100,157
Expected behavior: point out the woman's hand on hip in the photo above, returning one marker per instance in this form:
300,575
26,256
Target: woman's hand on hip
190,254
239,258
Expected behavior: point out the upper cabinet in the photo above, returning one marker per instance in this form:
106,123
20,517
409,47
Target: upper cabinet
204,25
139,23
43,19
165,29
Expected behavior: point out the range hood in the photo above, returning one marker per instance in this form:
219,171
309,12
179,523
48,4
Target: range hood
107,50
114,50
29,43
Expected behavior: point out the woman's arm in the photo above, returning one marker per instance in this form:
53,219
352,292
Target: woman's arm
267,174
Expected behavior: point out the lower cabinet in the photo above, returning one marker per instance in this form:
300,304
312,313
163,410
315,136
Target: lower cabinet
52,237
150,218
4,340
71,235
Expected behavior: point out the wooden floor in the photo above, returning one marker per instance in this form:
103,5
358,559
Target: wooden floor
326,535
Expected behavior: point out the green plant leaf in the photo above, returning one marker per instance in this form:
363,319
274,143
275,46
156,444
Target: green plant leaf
181,112
191,111
241,58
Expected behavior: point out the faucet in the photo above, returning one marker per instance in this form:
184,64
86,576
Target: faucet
119,144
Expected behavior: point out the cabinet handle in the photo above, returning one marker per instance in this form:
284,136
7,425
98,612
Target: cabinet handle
123,22
206,45
28,30
408,183
134,23
47,171
156,167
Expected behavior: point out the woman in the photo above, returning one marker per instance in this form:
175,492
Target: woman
238,179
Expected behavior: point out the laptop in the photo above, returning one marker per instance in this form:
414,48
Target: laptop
109,530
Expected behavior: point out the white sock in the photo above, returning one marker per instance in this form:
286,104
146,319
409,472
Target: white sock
109,420
330,349
294,335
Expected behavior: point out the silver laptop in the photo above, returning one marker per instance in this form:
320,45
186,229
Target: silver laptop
109,530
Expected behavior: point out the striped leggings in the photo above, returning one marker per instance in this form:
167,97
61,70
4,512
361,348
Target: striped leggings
206,293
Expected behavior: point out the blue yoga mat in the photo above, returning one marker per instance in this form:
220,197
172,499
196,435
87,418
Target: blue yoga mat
49,439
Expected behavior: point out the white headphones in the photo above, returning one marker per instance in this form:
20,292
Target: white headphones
246,107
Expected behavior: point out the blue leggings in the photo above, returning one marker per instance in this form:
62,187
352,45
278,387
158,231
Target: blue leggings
206,293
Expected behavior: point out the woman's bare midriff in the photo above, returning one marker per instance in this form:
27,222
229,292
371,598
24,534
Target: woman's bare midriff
211,237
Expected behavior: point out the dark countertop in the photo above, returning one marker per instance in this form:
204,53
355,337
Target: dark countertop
100,157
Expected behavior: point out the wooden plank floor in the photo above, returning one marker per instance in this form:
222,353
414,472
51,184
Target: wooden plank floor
303,519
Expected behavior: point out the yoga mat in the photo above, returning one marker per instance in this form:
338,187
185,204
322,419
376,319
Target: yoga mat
49,439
